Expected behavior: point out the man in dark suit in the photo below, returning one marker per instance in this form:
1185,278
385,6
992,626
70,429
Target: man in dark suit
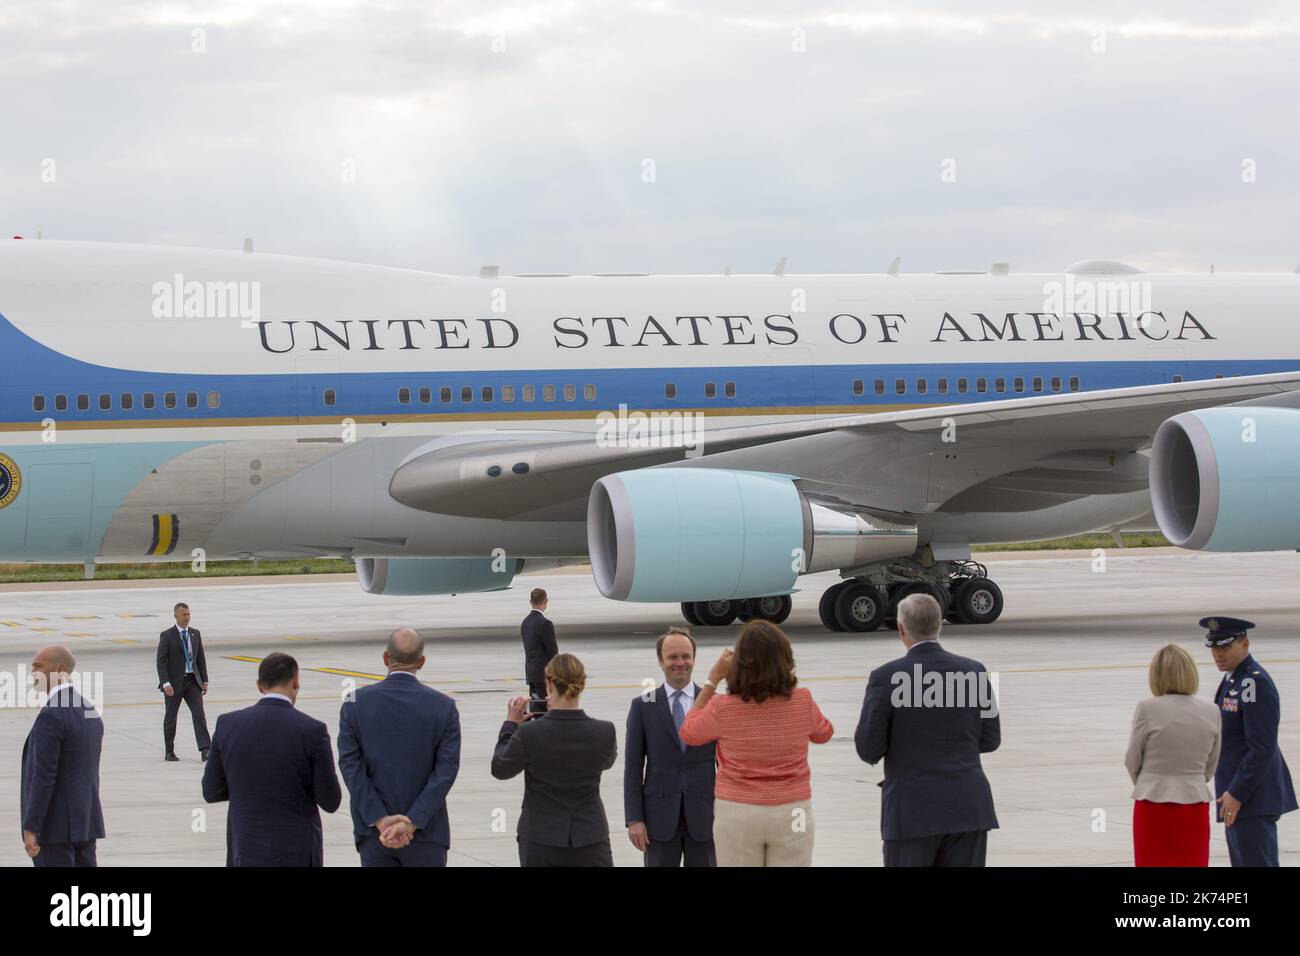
1252,784
399,748
539,644
275,766
667,785
59,791
183,675
930,714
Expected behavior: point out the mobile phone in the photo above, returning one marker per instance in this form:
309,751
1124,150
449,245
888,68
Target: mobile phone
537,705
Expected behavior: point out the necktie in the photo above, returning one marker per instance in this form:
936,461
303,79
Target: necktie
185,644
679,715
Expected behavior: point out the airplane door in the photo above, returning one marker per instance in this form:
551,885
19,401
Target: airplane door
59,507
790,389
316,383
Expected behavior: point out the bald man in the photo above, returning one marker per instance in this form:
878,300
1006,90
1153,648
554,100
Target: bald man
59,797
399,750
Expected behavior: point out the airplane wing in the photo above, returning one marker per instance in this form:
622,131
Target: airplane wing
1015,453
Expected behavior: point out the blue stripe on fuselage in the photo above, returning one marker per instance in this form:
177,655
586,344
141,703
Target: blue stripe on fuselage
28,368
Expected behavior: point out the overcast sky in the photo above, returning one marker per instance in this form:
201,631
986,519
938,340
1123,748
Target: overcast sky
574,136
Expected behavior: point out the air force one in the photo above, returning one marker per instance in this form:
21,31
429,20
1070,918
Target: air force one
697,439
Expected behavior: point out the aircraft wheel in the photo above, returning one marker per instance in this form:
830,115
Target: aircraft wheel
979,601
859,607
688,612
716,613
775,608
826,607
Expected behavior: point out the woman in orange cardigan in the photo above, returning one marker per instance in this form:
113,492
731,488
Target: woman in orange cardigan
762,812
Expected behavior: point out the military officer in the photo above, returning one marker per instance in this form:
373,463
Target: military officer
1251,782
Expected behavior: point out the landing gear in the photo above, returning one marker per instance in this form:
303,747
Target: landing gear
870,600
775,608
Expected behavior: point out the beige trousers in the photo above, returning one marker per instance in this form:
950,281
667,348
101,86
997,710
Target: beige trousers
747,834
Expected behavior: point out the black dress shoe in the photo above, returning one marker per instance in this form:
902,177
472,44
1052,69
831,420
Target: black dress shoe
171,757
203,755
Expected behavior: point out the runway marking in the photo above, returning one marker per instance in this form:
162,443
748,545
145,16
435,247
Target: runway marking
122,640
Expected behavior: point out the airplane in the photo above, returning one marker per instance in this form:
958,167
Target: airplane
702,439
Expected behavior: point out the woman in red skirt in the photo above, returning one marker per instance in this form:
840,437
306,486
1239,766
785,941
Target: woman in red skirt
1172,753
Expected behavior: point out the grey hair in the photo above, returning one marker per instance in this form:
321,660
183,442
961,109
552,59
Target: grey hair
920,617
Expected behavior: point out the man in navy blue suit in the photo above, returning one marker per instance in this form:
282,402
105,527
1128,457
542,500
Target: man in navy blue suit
399,748
667,785
275,766
1251,782
59,795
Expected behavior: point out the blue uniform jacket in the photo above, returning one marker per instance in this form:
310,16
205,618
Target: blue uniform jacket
1251,767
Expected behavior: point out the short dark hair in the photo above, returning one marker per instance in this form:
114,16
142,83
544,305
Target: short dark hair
659,644
276,669
537,597
179,605
764,663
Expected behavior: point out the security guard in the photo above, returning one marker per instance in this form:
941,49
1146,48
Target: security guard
1252,782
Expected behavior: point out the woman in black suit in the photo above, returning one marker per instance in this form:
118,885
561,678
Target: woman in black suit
561,754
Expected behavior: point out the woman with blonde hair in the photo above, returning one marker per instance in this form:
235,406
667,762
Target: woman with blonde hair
762,811
561,754
1172,752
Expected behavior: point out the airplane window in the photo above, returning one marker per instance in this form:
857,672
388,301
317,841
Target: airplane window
943,386
1056,383
83,402
61,403
404,396
147,399
670,390
214,399
999,384
38,403
900,386
1038,383
126,400
105,401
507,393
330,397
1178,378
857,386
529,393
589,393
169,399
1074,383
191,399
548,393
961,385
570,393
729,389
981,385
880,386
710,390
466,394
1019,384
922,386
444,394
426,396
1220,375
487,393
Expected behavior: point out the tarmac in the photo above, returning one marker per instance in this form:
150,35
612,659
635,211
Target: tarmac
1070,652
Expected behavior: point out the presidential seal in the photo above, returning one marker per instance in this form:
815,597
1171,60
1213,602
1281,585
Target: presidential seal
11,480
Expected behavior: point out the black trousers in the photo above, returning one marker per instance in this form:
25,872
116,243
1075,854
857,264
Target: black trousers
945,849
67,854
192,694
1252,841
415,853
534,854
671,852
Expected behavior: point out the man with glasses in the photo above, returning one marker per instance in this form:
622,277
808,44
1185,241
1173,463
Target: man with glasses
183,675
667,785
